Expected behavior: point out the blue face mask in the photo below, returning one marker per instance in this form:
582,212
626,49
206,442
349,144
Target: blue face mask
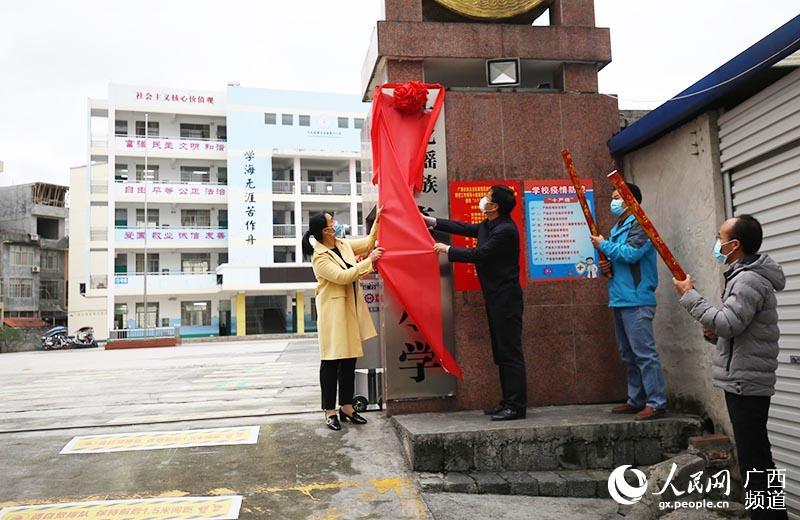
616,207
719,256
338,230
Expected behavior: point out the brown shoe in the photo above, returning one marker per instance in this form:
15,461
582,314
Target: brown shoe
649,413
625,408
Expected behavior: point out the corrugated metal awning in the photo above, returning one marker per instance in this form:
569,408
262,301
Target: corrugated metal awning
25,323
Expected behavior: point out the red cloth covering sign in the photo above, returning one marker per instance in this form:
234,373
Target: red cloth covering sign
401,129
464,199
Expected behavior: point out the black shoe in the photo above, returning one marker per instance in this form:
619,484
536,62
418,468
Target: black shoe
355,418
508,414
495,410
333,423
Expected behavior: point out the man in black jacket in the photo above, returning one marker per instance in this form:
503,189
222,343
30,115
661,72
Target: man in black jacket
496,260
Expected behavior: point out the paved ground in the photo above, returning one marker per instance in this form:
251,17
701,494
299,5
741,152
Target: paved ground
296,469
84,388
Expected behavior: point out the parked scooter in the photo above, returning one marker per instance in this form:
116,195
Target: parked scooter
57,338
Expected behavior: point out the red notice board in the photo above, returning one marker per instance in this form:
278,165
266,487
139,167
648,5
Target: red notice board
464,199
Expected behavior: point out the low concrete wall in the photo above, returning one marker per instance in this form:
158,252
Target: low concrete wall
682,194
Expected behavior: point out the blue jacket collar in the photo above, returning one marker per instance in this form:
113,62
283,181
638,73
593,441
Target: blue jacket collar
620,227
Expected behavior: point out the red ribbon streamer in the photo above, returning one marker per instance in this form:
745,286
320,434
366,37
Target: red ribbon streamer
409,267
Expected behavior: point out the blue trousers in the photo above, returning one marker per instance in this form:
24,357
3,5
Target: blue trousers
634,330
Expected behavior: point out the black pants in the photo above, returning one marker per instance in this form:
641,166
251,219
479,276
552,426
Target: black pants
749,415
504,312
332,371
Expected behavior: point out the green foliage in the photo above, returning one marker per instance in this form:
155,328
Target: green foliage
9,336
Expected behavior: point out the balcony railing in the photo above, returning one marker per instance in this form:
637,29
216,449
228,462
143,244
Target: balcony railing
360,230
153,332
325,188
173,282
157,182
283,187
283,230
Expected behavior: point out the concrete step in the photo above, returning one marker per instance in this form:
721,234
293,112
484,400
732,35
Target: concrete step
550,439
566,483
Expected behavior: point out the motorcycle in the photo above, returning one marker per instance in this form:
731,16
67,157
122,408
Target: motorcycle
58,338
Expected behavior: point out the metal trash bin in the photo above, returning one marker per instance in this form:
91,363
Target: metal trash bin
369,368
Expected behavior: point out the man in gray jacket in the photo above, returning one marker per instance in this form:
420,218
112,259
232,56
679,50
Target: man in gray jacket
745,330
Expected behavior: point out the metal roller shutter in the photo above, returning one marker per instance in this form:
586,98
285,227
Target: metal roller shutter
760,149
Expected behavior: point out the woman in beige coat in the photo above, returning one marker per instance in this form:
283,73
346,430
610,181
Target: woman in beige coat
343,320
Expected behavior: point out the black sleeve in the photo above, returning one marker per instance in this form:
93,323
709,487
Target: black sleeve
501,242
457,228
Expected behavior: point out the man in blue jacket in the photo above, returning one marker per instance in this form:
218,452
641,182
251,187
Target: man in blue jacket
632,296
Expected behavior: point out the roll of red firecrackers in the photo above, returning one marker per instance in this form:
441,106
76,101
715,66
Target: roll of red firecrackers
647,225
587,213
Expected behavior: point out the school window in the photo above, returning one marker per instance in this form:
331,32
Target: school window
195,262
120,127
304,120
270,118
153,262
287,119
284,254
343,122
222,132
120,263
152,217
152,172
196,218
152,128
222,219
222,175
358,123
149,320
195,131
222,258
195,174
21,256
121,217
121,172
196,314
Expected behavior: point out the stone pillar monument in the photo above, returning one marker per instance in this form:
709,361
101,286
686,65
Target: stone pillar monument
515,134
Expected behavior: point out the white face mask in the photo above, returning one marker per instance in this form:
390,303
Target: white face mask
482,205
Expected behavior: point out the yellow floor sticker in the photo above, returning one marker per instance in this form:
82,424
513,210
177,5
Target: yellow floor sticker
185,508
161,440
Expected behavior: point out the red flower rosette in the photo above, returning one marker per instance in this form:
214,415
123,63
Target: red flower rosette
410,97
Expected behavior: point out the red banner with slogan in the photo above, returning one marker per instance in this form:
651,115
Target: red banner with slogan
402,124
464,199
